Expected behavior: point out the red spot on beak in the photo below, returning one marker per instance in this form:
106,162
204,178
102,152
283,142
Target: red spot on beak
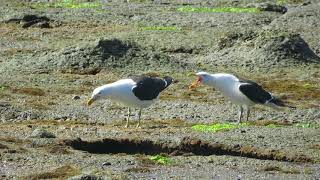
195,84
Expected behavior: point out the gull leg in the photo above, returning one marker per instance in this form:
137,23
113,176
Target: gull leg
128,116
139,116
240,114
248,112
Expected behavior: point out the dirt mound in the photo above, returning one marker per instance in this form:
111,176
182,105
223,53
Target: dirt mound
282,47
109,53
262,50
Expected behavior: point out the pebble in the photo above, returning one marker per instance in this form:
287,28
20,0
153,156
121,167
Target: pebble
76,97
106,164
85,177
41,133
130,162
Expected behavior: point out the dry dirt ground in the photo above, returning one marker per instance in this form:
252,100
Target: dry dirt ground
54,53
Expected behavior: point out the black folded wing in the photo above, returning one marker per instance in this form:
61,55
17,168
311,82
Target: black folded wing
254,92
148,88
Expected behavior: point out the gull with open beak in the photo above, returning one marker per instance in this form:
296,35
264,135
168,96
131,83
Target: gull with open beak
244,93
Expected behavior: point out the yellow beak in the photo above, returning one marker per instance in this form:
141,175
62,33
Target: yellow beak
195,84
90,101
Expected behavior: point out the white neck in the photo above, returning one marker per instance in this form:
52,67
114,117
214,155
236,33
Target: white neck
222,81
103,91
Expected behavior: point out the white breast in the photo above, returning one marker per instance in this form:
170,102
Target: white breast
229,87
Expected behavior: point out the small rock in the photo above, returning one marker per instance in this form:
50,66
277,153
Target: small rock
85,177
176,153
130,162
187,154
76,97
236,146
271,7
29,20
305,3
12,151
41,133
106,164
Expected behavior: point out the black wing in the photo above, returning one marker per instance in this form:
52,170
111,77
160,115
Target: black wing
149,88
254,92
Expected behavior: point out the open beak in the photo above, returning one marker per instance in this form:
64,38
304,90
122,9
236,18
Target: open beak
90,101
196,83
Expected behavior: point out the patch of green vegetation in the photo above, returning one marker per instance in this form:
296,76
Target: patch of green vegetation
217,127
281,2
219,9
309,86
74,4
3,87
270,124
299,125
307,125
160,28
161,159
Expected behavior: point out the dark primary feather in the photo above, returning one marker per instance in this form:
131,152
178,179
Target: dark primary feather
258,95
278,102
255,92
148,88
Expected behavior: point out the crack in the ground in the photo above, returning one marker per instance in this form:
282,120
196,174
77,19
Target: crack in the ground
187,145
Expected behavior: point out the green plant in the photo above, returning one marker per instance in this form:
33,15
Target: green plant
3,88
306,125
281,2
309,86
299,125
70,4
161,159
217,127
218,9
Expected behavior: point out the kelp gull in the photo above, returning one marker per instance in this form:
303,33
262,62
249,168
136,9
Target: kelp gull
137,92
244,93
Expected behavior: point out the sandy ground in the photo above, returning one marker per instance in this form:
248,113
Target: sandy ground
51,62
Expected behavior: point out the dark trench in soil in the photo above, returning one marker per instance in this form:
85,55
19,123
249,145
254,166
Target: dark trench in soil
186,146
